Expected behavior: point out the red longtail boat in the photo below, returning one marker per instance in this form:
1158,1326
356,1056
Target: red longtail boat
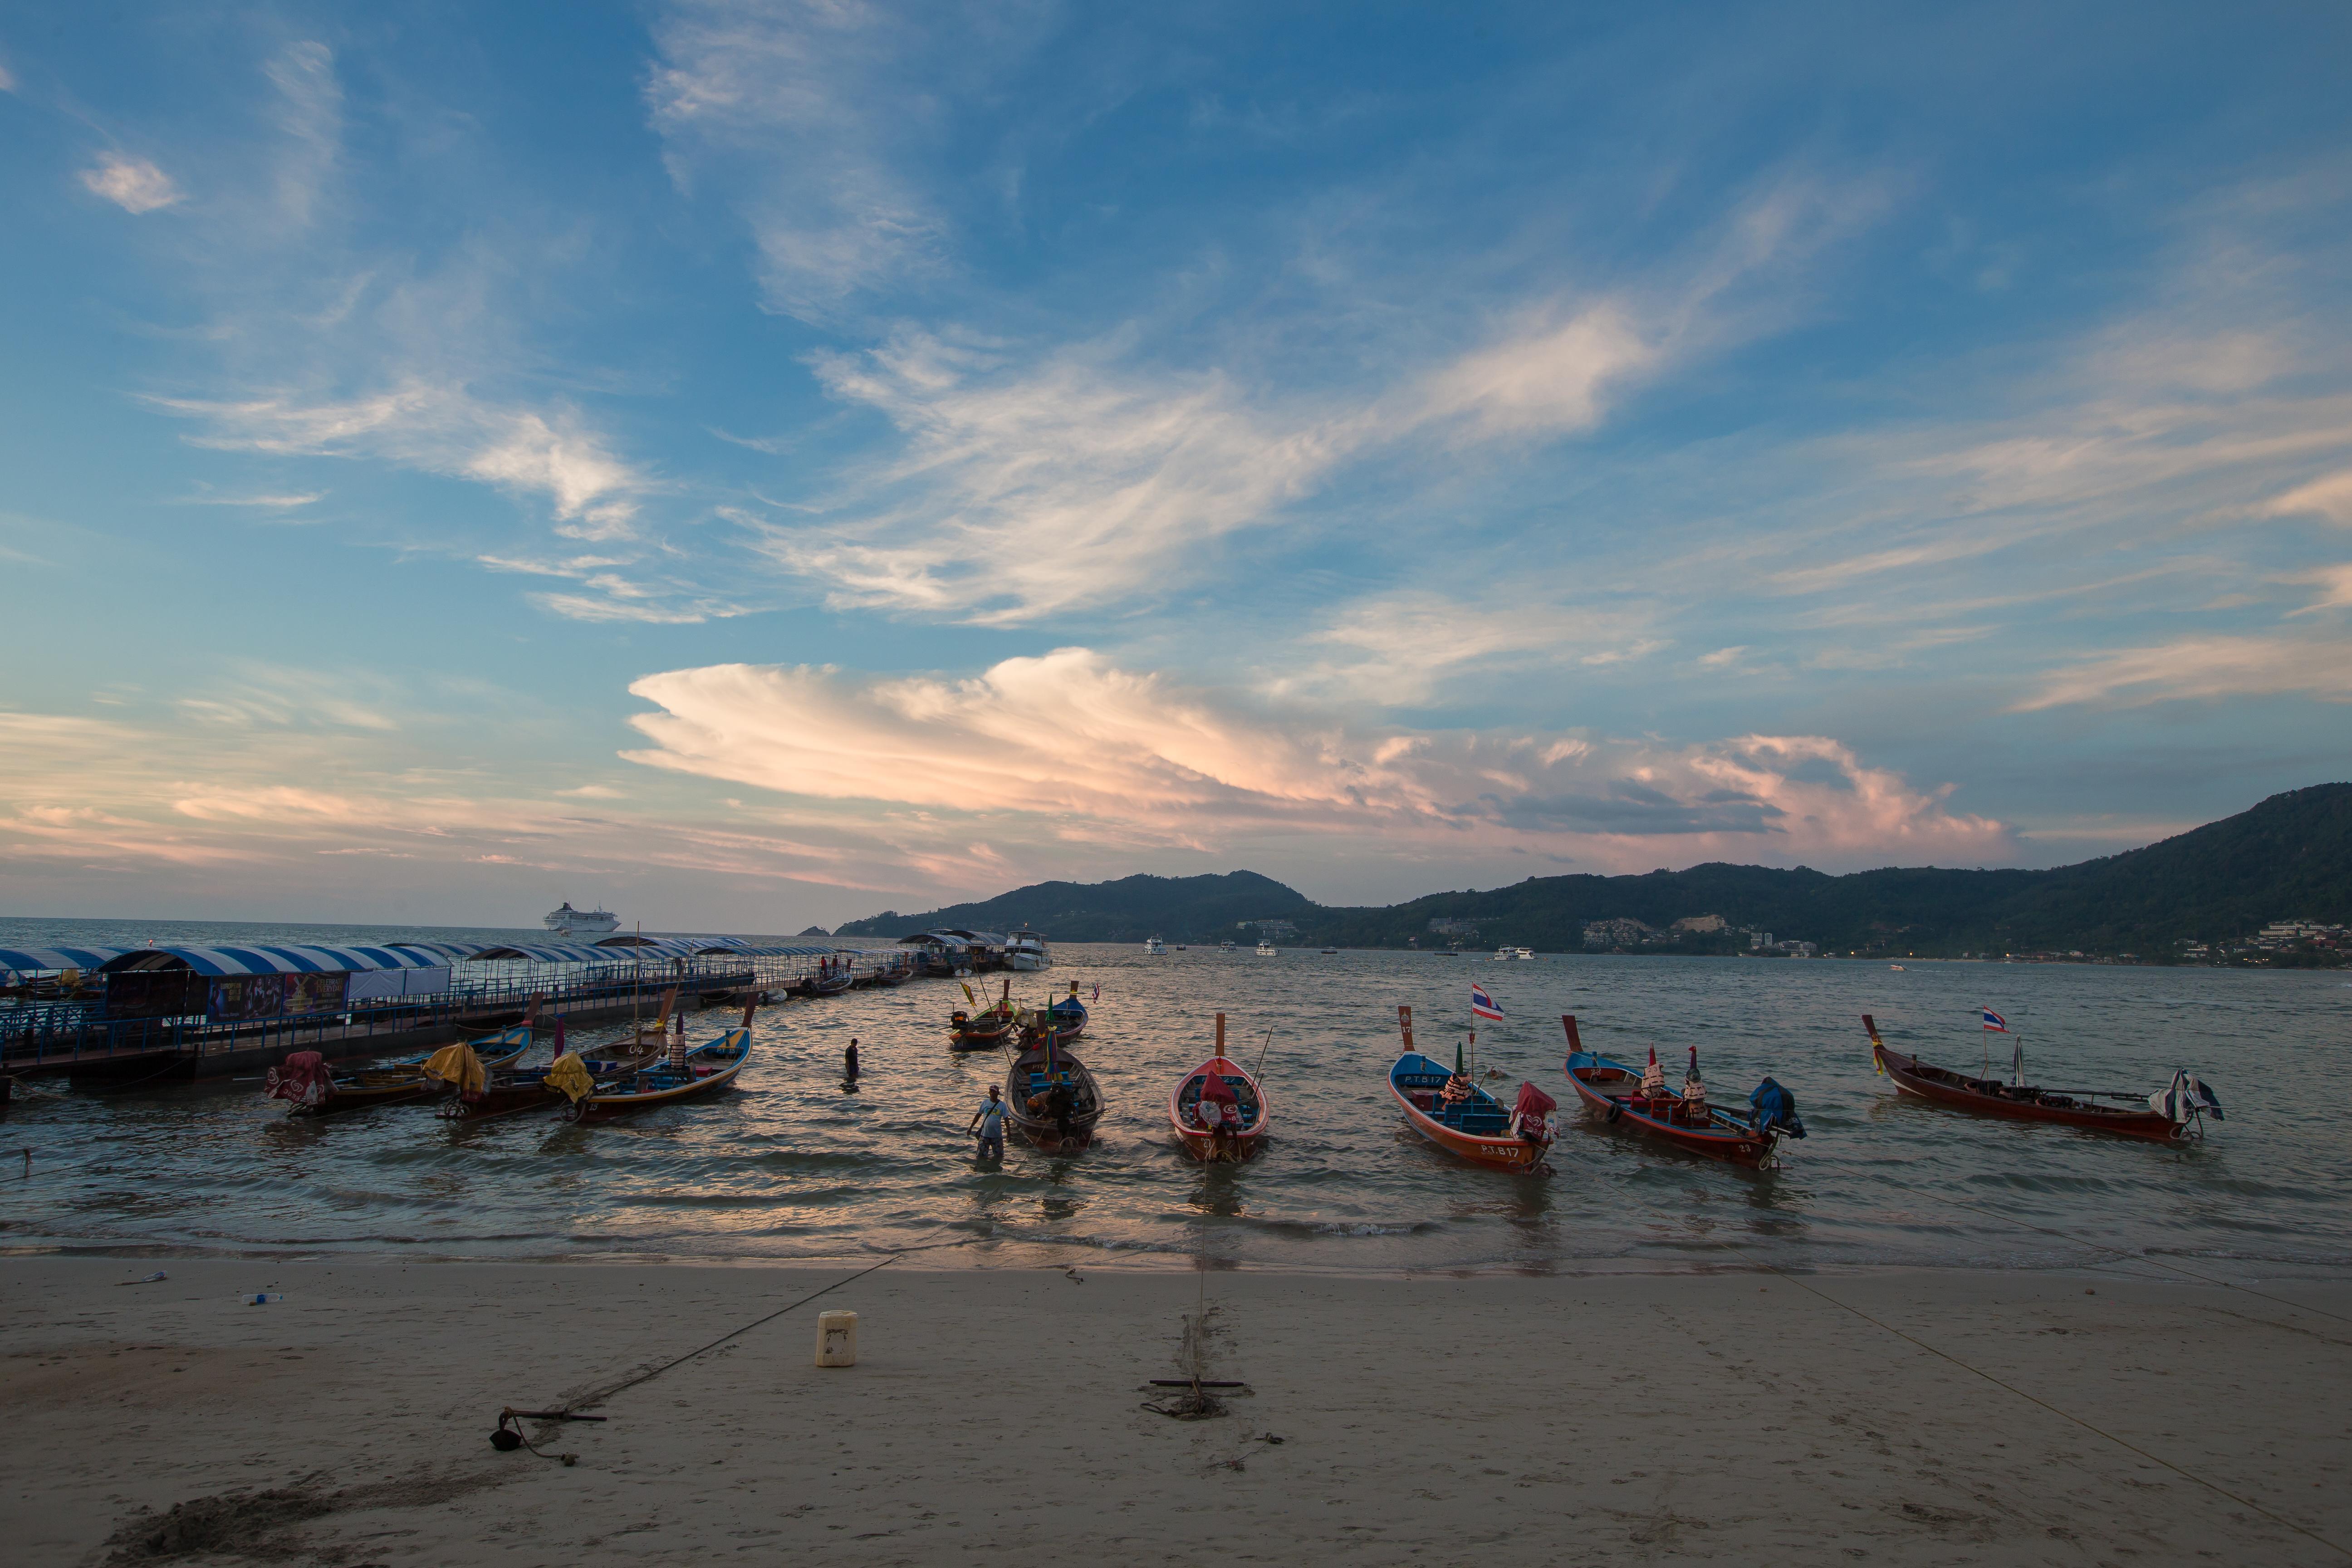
1616,1091
2187,1099
1243,1099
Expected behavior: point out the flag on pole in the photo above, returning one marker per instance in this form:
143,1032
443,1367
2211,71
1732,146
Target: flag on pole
1994,1023
1483,1005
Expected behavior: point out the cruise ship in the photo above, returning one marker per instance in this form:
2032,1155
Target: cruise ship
1025,951
567,919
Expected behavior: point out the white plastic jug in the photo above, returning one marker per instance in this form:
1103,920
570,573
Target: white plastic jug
836,1339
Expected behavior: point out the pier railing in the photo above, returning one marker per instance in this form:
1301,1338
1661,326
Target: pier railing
50,1035
36,1039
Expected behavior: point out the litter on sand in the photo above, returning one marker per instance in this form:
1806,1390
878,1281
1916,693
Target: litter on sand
148,1279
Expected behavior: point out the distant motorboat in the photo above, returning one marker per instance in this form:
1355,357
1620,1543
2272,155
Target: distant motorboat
567,919
1025,951
1266,949
1152,944
1224,947
1505,954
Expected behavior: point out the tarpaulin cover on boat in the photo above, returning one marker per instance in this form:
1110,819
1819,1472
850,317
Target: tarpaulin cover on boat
458,1065
1776,1107
1533,1103
2184,1096
302,1078
569,1077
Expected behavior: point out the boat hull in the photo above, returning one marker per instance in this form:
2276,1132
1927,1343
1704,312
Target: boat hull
1913,1075
1498,1152
1042,1131
1724,1138
648,1088
1201,1145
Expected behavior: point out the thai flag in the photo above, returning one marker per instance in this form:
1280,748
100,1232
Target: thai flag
1483,1005
1994,1023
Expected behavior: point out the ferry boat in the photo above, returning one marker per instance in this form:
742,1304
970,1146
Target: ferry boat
1505,954
1152,944
568,920
1025,951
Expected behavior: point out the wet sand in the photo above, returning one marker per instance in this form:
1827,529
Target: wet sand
994,1416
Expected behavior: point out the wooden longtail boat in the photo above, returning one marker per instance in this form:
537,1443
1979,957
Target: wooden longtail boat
1474,1125
527,1089
1069,1015
984,1030
1184,1103
2028,1102
315,1089
1613,1090
708,1069
490,1036
1031,1085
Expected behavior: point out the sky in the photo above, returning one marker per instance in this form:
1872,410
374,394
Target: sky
756,465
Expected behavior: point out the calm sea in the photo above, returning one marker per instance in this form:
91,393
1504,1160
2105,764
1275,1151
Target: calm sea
795,1164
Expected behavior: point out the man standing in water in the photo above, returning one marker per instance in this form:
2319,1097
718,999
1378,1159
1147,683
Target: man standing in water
849,1059
988,1122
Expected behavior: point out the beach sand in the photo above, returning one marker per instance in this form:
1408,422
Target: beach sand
994,1416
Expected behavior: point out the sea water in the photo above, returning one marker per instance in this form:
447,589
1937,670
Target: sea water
795,1162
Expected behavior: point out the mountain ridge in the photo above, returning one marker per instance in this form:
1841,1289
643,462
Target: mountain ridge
2287,857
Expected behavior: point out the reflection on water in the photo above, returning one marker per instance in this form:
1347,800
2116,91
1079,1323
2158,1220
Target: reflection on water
798,1161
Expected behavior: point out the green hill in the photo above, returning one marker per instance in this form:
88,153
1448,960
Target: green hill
2289,858
1180,908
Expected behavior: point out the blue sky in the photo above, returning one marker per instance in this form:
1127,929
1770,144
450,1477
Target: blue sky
759,464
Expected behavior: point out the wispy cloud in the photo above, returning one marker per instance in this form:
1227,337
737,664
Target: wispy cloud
841,214
134,184
444,429
1103,473
2202,668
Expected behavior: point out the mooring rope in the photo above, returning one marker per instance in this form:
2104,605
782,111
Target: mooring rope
597,1396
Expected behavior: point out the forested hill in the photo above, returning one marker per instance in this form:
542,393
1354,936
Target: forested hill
1182,908
2289,858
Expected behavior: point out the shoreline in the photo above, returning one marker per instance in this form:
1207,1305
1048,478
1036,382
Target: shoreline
1897,1415
1158,1264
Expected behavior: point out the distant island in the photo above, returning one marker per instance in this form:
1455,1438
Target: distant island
2269,887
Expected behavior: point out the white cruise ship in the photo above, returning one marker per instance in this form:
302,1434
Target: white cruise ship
567,919
1025,951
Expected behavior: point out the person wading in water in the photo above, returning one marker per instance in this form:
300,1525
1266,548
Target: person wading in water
849,1059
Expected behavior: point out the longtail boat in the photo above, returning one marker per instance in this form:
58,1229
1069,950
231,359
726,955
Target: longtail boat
526,1090
1641,1100
705,1069
1243,1101
1069,1015
2174,1111
986,1029
314,1088
1461,1119
1052,1099
497,1037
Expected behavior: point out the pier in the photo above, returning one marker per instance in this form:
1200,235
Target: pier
171,1014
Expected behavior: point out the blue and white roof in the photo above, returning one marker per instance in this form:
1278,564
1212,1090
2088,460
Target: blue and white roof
276,960
38,958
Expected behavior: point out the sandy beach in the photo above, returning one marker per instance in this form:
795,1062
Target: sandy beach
997,1416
